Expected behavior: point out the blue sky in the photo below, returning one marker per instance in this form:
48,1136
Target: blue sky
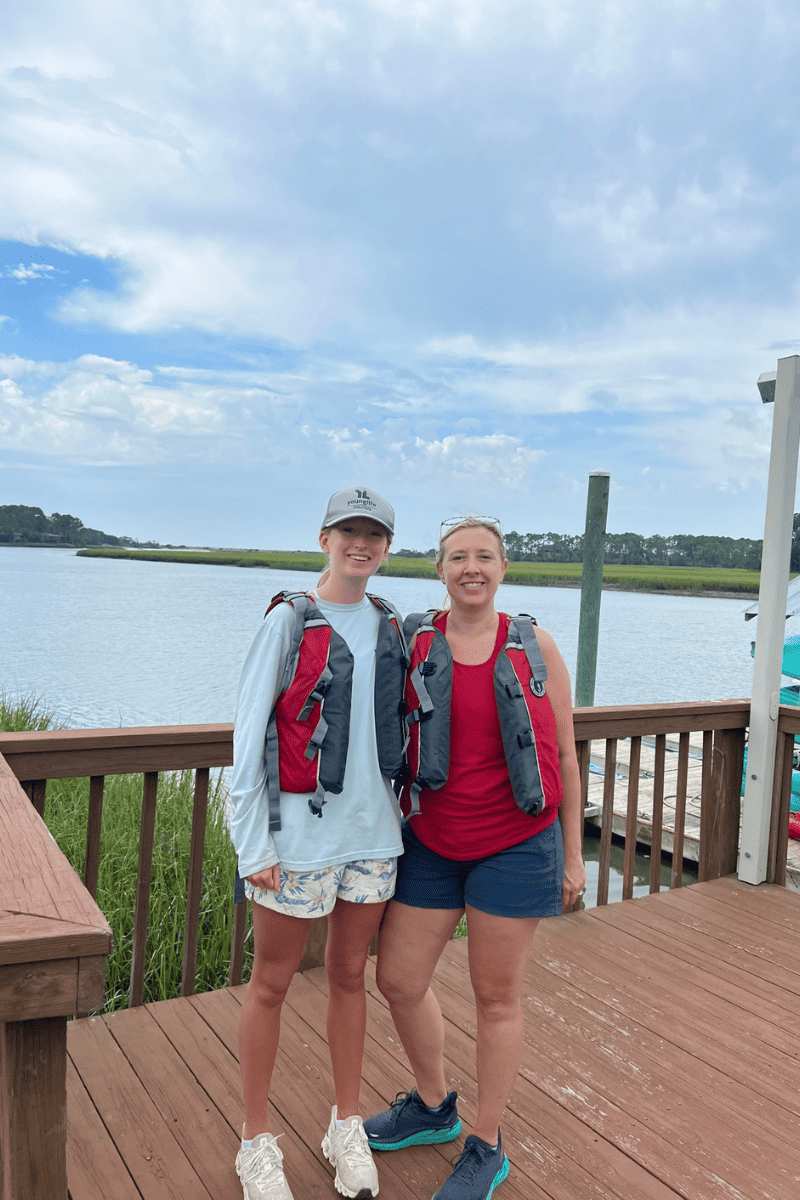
465,253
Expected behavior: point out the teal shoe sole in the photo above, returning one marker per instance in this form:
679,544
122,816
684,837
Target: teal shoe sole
499,1177
426,1137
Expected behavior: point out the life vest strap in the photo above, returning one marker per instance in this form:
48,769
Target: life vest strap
533,651
413,792
316,801
273,785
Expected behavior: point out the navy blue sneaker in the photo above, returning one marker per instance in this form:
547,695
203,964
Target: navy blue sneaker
409,1122
477,1173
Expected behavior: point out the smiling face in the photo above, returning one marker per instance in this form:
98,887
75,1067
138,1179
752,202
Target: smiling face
355,548
471,566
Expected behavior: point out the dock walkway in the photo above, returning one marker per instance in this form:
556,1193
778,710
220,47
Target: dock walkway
662,1059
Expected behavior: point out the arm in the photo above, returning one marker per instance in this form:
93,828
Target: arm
559,692
258,859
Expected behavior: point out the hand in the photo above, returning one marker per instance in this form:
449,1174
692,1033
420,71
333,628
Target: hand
268,880
574,883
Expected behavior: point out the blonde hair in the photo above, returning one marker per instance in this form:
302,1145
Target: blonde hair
471,523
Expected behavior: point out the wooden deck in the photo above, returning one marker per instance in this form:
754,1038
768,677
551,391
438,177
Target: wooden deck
662,1060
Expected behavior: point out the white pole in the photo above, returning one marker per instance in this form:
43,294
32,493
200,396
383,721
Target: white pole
757,806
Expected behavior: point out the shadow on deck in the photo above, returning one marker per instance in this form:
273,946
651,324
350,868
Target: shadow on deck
662,1059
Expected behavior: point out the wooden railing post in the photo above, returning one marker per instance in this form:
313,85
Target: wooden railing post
781,801
34,1125
53,945
721,806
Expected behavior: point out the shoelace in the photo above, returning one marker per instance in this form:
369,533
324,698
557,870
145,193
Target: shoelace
265,1161
353,1143
401,1100
470,1160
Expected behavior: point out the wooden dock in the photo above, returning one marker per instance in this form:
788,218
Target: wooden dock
662,1060
647,775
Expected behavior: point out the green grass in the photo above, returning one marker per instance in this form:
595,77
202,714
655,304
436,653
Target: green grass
66,816
646,579
694,580
23,715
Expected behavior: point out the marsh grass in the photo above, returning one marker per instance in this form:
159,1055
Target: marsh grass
684,580
22,715
66,816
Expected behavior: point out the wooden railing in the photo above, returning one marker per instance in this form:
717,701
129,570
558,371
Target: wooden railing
53,947
53,939
723,725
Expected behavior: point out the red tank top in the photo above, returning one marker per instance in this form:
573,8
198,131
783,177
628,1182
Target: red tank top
475,813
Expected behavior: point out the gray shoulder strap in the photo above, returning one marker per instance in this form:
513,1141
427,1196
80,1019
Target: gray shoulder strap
413,623
524,630
414,620
300,605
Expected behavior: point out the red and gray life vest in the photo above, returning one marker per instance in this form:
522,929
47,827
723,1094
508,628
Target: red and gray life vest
309,727
519,679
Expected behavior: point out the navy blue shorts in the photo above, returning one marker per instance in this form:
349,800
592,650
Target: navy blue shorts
523,881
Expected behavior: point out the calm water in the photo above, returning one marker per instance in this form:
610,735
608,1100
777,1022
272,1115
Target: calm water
106,642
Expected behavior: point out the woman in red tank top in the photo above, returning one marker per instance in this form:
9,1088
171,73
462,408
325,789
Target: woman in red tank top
472,850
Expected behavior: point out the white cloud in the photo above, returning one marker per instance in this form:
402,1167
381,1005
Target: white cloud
34,271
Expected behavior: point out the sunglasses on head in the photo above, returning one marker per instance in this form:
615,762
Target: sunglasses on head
454,522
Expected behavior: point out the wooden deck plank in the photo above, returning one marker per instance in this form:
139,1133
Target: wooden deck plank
197,1126
157,1164
754,995
689,933
95,1168
660,1061
709,1023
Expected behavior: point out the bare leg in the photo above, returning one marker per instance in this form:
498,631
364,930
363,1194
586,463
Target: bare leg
499,948
351,928
411,944
279,943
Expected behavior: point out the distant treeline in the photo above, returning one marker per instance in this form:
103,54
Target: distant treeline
27,526
634,550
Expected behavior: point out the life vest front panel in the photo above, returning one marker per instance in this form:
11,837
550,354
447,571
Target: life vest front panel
309,731
299,707
527,720
427,696
528,729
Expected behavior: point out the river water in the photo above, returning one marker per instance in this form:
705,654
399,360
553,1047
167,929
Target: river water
118,642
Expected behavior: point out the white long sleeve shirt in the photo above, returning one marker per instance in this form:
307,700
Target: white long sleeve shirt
364,820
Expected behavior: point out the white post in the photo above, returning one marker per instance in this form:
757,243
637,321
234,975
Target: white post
757,805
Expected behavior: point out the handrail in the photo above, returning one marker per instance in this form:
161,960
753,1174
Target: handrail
54,942
723,725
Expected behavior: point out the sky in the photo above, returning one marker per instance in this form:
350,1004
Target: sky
464,252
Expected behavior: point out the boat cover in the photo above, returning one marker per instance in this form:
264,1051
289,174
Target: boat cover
791,657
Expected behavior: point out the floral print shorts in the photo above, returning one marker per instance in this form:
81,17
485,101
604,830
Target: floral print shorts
314,893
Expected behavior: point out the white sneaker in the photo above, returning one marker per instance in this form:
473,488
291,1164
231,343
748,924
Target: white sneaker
346,1146
260,1168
